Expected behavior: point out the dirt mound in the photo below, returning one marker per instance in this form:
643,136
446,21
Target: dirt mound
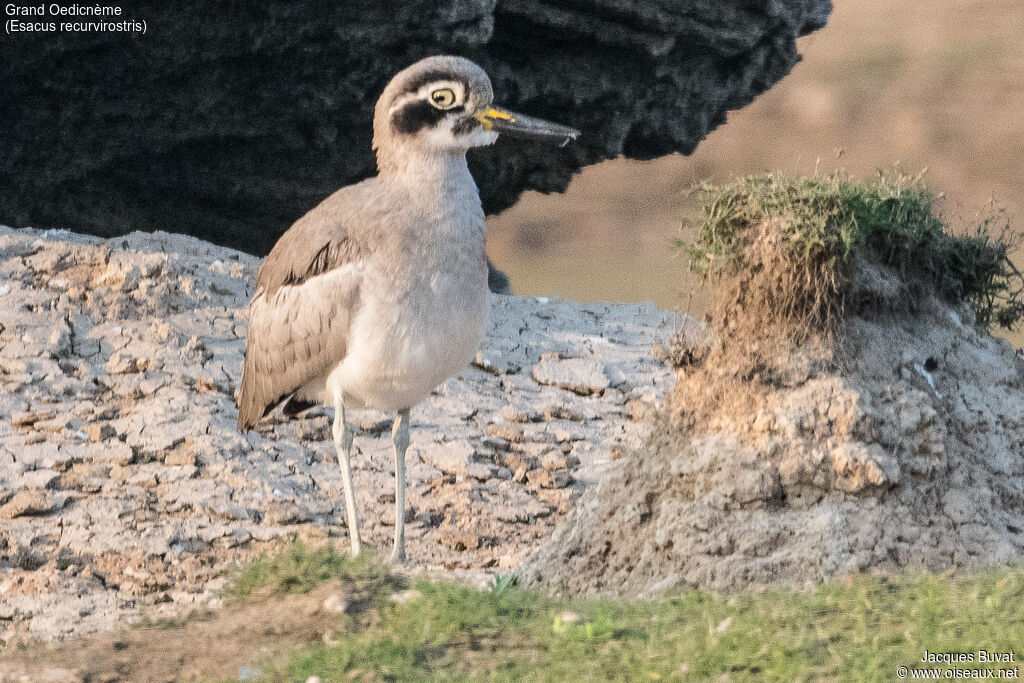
910,457
803,444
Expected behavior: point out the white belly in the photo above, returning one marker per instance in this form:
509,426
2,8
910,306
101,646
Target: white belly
401,349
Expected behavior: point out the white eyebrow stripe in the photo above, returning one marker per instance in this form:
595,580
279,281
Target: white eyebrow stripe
424,92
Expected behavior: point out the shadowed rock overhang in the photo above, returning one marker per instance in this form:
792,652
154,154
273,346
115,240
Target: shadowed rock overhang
230,122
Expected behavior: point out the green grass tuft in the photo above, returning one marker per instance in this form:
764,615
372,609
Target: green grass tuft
859,629
300,569
890,220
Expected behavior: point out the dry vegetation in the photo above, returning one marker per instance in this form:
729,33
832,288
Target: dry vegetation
789,255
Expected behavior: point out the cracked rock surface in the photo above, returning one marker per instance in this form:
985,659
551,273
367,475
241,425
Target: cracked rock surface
124,484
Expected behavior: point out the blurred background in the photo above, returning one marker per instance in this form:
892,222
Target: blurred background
935,86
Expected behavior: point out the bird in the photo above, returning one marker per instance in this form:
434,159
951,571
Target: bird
379,294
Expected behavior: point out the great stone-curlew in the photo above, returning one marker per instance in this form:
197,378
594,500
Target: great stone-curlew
379,294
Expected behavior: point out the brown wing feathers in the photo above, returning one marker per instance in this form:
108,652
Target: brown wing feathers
298,326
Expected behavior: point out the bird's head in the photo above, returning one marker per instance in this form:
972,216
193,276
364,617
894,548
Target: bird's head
443,105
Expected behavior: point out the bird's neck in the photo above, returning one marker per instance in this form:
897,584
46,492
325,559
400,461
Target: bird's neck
432,181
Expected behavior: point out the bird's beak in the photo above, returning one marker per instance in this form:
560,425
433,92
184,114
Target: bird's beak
504,121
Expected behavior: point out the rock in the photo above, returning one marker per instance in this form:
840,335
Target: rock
31,501
460,540
582,376
858,466
335,603
641,78
284,513
496,362
99,431
180,456
520,413
29,418
505,431
458,458
59,340
115,453
559,412
549,478
40,479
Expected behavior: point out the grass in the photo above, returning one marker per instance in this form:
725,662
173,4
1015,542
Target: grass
827,221
300,569
855,629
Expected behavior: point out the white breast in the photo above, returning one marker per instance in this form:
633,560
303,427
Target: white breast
403,345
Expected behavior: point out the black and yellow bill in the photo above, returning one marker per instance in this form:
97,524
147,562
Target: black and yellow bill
503,121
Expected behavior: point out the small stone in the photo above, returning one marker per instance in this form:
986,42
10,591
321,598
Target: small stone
387,518
121,363
519,413
559,499
98,431
284,513
43,479
335,603
115,453
549,479
460,540
496,443
60,341
457,458
29,418
120,473
554,459
583,376
507,431
558,412
180,456
569,617
495,362
638,410
859,466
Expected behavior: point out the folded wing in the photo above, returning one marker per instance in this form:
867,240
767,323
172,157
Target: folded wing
307,292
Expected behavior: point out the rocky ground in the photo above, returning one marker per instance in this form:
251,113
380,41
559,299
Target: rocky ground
125,487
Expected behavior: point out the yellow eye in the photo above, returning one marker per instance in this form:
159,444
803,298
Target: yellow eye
443,98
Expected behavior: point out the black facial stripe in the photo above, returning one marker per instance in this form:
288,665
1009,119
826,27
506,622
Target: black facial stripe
465,125
428,77
418,115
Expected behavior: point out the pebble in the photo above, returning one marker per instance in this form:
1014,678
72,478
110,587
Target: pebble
583,376
335,603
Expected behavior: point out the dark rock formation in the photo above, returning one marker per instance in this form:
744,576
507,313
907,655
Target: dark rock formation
230,120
